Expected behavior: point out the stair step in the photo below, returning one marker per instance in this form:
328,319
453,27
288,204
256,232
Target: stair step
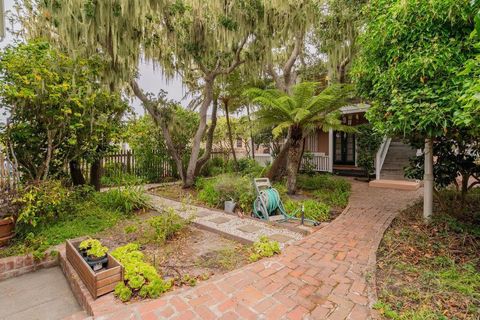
395,184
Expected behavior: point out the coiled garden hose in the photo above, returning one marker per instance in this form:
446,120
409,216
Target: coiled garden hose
268,202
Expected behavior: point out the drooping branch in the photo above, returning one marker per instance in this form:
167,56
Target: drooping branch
152,108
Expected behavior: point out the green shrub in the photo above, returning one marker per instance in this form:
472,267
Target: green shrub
125,200
314,210
249,167
166,225
41,203
140,278
225,187
213,167
329,189
207,192
264,248
124,179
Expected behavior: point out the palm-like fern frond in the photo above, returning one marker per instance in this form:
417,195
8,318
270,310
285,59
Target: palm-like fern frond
302,108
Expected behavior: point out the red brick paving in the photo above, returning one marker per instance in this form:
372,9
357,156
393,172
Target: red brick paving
323,276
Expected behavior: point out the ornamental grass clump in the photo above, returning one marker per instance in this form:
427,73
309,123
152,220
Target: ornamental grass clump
125,200
140,278
264,248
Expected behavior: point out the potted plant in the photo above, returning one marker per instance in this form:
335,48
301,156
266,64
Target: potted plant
8,216
94,253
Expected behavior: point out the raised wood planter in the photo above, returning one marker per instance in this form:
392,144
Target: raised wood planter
7,230
100,282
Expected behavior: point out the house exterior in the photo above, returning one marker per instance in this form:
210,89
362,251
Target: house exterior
333,150
336,151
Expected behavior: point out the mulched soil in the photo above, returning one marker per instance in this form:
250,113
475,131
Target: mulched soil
192,255
431,269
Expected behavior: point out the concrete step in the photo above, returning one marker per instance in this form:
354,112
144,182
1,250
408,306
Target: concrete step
395,184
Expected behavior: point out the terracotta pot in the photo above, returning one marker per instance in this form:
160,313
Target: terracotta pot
7,227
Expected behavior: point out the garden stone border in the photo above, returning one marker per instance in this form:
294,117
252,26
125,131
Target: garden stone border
11,267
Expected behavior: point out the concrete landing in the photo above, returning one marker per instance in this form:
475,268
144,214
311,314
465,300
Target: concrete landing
42,295
395,184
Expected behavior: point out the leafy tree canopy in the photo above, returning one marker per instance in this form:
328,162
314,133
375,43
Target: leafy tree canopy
58,110
411,53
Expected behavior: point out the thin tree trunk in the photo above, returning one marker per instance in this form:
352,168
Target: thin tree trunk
157,117
76,173
230,136
46,165
251,132
96,173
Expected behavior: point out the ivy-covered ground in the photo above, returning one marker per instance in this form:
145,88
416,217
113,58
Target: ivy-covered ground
432,271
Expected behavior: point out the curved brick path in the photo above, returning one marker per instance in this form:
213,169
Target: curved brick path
323,276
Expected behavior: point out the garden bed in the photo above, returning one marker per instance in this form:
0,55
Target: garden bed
431,271
189,256
324,196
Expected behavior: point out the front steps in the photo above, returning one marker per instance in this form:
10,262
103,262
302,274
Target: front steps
397,159
395,184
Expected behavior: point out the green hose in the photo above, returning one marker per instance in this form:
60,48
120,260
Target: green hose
268,202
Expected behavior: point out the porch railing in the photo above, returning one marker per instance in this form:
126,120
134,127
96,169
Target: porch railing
381,154
319,161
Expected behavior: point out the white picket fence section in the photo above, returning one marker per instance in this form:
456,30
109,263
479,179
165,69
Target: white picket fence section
320,161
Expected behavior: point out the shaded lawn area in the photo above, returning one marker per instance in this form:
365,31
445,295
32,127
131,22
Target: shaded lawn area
431,271
90,220
78,213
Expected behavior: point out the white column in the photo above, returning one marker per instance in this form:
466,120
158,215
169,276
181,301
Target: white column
330,150
428,181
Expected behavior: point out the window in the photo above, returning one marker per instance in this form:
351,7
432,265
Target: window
239,143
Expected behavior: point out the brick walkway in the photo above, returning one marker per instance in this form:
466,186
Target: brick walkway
323,276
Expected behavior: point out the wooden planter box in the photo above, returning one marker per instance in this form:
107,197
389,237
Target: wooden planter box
100,282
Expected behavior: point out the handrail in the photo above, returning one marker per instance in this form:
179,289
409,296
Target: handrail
380,157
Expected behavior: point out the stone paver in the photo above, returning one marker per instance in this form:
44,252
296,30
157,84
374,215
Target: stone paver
322,276
249,228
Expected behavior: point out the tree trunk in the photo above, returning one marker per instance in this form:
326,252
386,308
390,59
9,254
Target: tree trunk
76,173
197,139
278,164
96,174
293,163
302,152
208,145
428,181
230,136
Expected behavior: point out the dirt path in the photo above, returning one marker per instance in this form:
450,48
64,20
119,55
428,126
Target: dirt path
323,276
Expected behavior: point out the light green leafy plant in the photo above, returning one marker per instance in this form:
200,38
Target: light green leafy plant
140,278
93,248
264,248
166,225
